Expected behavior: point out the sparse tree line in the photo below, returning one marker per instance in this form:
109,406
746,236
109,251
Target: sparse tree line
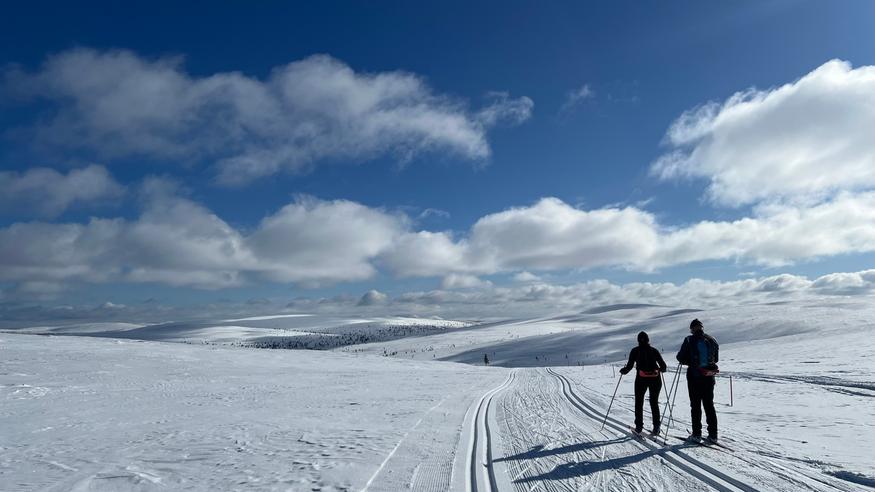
342,336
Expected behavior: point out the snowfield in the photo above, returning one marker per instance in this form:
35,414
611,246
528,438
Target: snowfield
120,408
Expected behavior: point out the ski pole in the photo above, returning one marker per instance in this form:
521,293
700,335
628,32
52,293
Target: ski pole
673,399
612,401
671,388
668,396
730,390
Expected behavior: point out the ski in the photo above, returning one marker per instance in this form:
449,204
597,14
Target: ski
646,435
705,443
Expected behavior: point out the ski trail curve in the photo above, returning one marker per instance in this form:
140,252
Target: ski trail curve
480,475
705,473
753,458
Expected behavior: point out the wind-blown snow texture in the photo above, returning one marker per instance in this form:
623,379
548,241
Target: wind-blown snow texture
106,411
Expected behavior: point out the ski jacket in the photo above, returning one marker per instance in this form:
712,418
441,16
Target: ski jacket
645,358
699,351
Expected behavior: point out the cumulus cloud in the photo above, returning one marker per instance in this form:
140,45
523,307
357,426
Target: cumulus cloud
372,298
424,254
317,241
526,277
541,298
850,283
548,235
552,235
176,241
777,235
462,281
118,104
311,242
48,193
804,140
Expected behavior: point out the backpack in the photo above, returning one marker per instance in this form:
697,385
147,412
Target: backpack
704,351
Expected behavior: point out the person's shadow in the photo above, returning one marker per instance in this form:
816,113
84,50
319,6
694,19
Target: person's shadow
582,468
540,452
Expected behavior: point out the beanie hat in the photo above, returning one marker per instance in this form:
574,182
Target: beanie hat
696,324
643,338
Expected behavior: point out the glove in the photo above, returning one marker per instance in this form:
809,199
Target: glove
625,371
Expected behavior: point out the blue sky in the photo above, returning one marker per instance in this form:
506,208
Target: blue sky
479,113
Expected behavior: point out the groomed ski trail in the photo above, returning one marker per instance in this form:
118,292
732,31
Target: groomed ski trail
480,475
549,444
673,454
759,468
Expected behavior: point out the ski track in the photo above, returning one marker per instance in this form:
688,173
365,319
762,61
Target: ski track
856,388
760,467
550,445
479,469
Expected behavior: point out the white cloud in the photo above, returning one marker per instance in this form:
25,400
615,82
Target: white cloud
777,235
117,104
543,298
801,141
503,108
373,298
178,242
310,242
318,241
548,235
434,212
576,97
526,277
426,254
462,281
846,283
48,193
552,235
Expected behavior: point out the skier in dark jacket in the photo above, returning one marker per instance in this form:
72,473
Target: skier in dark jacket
649,364
700,353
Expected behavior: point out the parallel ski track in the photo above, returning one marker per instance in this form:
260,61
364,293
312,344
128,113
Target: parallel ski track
695,468
480,448
797,477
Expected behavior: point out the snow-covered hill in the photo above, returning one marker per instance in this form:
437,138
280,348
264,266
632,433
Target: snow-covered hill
105,411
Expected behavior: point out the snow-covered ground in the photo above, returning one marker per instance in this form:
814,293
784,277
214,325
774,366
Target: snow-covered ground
101,413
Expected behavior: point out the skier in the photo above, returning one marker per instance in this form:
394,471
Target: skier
700,352
649,364
485,360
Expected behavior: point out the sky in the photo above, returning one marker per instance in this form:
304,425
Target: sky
434,158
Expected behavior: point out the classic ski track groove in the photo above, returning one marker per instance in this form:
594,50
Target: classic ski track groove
797,477
481,416
692,466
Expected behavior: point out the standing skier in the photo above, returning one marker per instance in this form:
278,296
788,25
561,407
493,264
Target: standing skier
649,364
485,359
700,352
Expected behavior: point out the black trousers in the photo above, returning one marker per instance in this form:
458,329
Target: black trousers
641,386
701,390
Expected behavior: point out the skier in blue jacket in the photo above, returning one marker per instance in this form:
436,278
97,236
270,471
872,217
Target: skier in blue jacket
700,353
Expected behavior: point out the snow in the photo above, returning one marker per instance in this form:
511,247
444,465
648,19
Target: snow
99,414
119,408
272,316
